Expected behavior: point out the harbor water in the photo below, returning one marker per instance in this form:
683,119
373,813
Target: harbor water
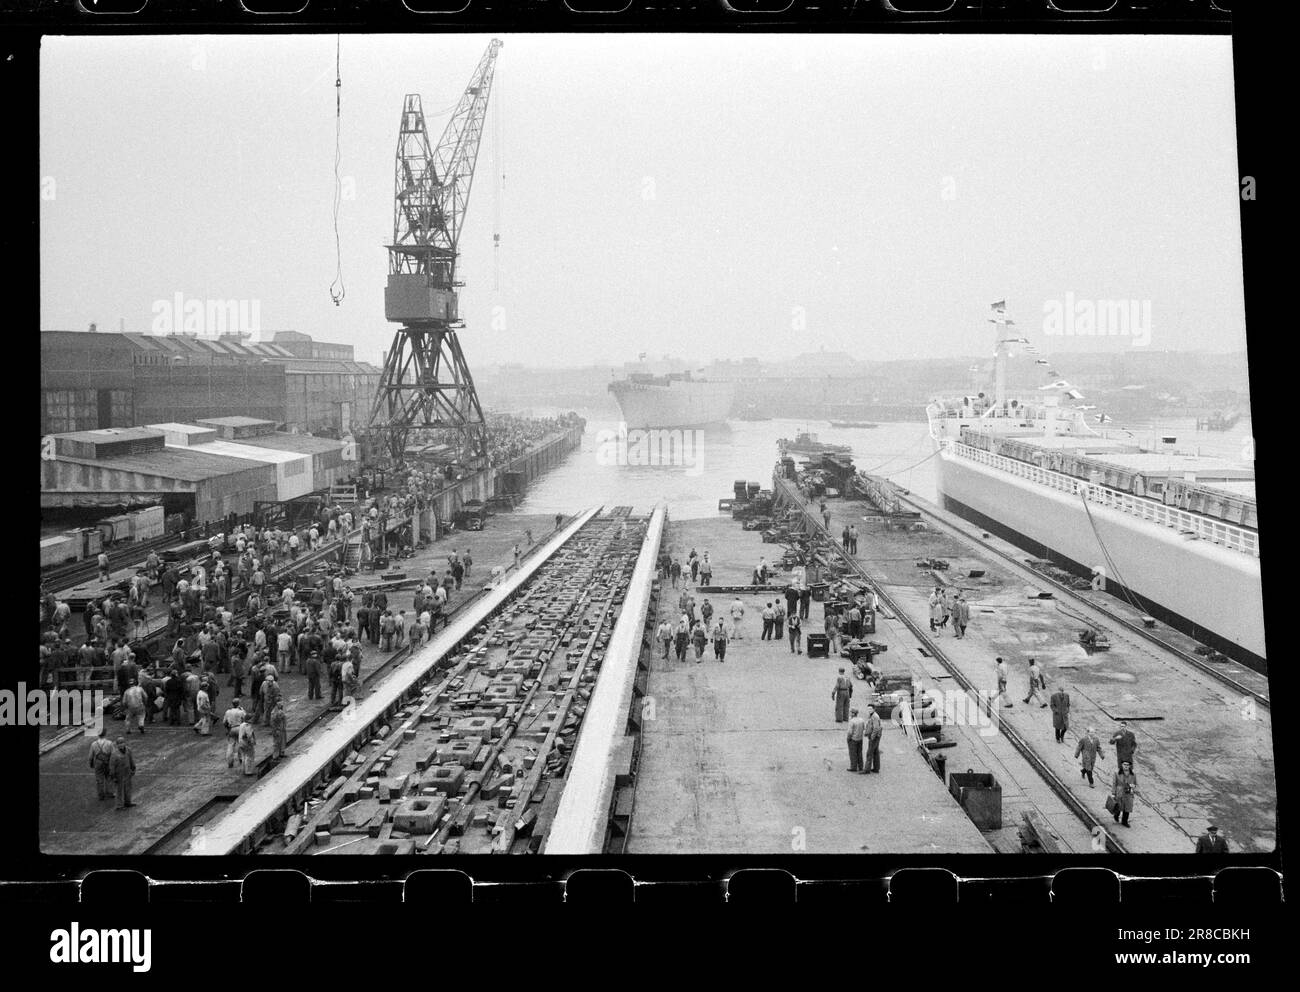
721,454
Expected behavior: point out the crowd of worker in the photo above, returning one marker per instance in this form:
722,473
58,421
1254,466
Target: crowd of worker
848,615
509,436
317,628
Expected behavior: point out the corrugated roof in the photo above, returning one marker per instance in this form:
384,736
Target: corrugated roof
252,452
235,421
142,341
181,463
301,443
328,366
112,434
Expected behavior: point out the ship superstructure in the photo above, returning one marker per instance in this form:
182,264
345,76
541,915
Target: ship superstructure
1172,531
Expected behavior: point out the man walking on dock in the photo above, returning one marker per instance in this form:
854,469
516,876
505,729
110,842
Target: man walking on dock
1122,791
101,754
796,633
857,733
1125,743
737,614
833,631
960,615
246,738
134,702
1001,694
1060,701
121,769
720,640
699,640
234,718
842,693
1037,681
665,635
937,611
682,638
874,731
769,617
1088,751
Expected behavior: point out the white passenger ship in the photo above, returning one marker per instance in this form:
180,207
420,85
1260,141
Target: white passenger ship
1177,532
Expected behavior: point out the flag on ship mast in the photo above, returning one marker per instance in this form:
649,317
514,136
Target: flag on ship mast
1058,384
1000,308
1101,418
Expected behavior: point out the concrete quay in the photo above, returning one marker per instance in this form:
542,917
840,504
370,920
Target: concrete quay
745,756
1205,752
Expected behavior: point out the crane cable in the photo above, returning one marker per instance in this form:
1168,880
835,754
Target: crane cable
498,186
337,291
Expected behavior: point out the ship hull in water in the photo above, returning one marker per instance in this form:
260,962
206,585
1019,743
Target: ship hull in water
693,403
1209,592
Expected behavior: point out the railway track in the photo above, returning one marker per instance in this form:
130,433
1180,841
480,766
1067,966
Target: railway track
58,578
534,632
1110,616
1053,781
267,763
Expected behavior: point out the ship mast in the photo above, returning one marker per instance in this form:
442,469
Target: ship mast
1001,353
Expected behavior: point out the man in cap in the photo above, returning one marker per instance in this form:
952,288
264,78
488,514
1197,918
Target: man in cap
1210,842
233,720
1125,742
857,732
874,731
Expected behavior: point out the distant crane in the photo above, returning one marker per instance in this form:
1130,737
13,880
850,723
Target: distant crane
425,381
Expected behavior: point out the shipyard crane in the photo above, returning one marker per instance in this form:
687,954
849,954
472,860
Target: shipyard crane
426,383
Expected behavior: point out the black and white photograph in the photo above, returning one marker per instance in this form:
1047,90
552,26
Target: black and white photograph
628,444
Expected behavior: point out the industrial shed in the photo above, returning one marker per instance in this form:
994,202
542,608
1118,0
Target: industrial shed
207,470
94,468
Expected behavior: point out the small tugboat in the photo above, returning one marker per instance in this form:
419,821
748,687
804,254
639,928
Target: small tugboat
805,443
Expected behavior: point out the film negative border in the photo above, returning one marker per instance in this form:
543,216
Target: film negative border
1246,887
687,882
519,15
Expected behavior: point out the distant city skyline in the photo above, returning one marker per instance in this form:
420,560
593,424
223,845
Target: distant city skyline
867,194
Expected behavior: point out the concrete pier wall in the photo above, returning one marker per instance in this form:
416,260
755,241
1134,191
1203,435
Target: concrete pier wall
494,481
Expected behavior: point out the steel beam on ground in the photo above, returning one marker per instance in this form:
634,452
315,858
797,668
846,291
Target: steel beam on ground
583,814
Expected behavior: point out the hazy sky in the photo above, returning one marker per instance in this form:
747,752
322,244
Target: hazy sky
689,194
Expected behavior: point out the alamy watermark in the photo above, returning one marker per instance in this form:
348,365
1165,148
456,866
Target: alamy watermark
658,447
23,707
208,318
953,708
1071,317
